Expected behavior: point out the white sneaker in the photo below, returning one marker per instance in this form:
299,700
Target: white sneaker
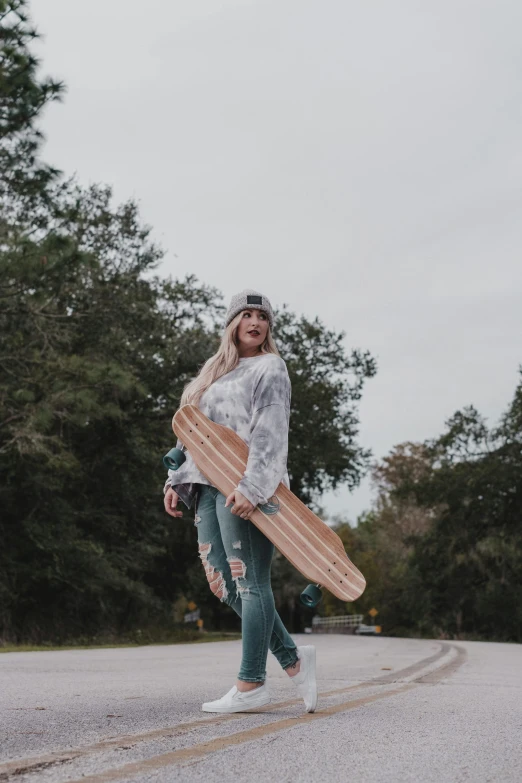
305,681
236,701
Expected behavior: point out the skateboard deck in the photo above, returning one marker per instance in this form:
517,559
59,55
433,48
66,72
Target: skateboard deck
304,539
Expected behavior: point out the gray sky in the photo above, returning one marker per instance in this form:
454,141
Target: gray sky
359,161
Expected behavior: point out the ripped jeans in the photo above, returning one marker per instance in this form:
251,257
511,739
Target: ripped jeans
237,558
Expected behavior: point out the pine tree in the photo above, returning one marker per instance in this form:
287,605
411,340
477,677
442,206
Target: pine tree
24,179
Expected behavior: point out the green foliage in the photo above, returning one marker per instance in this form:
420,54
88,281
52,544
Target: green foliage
94,354
326,387
442,550
23,94
95,350
466,569
93,357
24,180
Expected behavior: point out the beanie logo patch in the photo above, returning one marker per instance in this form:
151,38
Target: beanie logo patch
254,300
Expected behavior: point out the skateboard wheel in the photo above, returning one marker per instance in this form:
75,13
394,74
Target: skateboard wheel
311,596
174,459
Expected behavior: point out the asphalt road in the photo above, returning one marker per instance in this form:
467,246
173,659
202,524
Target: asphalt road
391,710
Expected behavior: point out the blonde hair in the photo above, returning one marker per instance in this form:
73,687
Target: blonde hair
224,361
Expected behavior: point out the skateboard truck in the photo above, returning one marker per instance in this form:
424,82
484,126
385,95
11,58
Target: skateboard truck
174,459
311,596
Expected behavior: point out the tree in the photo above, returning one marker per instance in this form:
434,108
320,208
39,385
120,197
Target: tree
94,357
466,570
382,542
24,179
327,384
444,540
95,350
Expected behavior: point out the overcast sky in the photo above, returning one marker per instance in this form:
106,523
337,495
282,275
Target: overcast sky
358,161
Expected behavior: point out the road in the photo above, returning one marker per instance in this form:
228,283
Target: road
391,710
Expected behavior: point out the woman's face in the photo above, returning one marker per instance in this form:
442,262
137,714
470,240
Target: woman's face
252,331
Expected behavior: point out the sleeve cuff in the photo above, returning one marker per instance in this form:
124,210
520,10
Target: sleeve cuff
246,489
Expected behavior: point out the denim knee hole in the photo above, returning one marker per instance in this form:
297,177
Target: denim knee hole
238,571
215,578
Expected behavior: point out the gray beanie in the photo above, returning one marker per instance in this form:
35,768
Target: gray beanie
249,300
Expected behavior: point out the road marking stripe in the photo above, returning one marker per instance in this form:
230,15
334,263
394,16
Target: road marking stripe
23,766
20,766
206,748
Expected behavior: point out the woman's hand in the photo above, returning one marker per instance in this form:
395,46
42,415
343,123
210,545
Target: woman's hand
170,502
241,506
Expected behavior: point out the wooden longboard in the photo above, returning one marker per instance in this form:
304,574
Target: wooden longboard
304,539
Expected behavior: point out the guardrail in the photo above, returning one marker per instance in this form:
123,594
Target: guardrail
343,623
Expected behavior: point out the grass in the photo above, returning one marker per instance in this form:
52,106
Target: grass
206,636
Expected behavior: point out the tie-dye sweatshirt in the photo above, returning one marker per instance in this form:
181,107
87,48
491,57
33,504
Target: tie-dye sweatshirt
254,401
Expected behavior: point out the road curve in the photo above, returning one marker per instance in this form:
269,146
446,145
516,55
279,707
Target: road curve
390,710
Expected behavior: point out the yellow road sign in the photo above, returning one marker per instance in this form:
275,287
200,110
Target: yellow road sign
373,612
191,606
200,624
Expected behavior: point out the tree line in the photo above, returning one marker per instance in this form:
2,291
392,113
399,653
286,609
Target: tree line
442,548
95,349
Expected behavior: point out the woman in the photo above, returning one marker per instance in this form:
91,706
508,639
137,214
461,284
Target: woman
246,387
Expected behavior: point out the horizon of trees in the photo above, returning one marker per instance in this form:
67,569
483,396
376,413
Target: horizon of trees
95,349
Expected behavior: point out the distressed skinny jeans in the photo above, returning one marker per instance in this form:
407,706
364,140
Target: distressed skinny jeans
237,558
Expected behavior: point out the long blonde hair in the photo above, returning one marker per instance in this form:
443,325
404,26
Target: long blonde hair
224,360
